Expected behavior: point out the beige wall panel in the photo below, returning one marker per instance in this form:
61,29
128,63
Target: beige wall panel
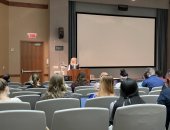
22,21
4,31
58,18
32,1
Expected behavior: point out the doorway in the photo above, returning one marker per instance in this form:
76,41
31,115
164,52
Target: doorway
32,54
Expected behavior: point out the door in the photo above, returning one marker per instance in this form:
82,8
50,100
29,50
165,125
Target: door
31,59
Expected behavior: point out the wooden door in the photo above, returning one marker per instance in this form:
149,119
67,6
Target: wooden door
31,59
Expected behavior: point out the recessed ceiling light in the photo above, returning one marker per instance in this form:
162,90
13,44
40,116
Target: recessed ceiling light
133,0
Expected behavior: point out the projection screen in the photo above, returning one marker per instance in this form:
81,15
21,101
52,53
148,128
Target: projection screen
115,41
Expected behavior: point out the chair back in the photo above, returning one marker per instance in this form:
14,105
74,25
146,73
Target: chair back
22,120
145,89
103,102
142,93
51,105
83,87
14,83
84,92
156,88
14,94
81,119
14,106
150,98
41,90
32,99
156,92
140,117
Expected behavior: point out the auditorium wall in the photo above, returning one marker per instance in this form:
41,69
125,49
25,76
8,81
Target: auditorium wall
59,17
4,36
16,21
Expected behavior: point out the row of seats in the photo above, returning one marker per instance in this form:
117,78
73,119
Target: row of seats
133,117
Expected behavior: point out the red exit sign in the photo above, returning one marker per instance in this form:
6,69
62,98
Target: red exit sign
32,35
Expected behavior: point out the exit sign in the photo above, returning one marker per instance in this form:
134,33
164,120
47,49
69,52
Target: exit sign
32,35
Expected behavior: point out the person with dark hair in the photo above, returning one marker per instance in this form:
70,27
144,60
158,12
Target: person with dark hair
128,96
151,80
164,98
80,81
6,77
123,76
4,92
57,88
35,83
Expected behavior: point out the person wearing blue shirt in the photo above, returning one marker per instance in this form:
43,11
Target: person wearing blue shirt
151,80
164,98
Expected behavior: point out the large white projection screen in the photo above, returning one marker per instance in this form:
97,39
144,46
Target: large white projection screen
115,41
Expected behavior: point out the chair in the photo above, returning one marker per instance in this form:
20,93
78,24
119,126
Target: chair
81,119
68,82
45,83
103,102
83,87
84,92
22,120
51,105
145,89
156,88
14,94
14,83
140,117
150,98
14,106
14,86
156,92
142,93
32,99
41,90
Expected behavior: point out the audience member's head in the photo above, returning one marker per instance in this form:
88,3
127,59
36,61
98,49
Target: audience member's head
106,86
123,74
149,72
103,74
128,88
56,87
6,77
3,86
167,77
158,73
35,80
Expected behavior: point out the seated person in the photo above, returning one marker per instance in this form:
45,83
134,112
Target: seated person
35,83
105,87
57,88
151,80
6,77
164,98
123,76
128,96
97,84
4,92
73,64
80,81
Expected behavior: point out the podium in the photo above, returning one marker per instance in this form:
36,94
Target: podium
74,73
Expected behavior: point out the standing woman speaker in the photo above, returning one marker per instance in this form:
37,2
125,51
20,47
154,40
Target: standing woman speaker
73,64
